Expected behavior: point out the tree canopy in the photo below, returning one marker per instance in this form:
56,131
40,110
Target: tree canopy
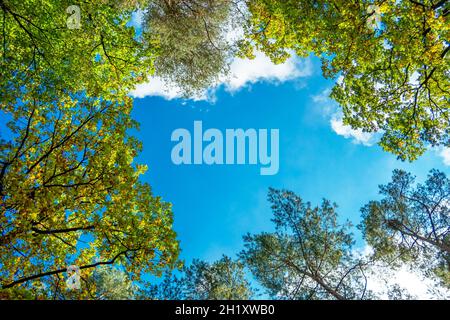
223,279
412,222
102,58
309,256
70,191
113,284
191,41
67,178
391,58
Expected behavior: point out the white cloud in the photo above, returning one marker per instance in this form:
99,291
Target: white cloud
243,72
330,109
323,97
155,87
158,87
322,100
445,154
413,283
380,278
357,136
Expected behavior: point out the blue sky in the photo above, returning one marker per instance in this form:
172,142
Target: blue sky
319,157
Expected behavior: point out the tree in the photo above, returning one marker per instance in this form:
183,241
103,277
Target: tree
392,57
113,284
17,294
100,55
69,190
191,41
398,293
308,256
71,194
221,280
171,287
412,223
105,283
